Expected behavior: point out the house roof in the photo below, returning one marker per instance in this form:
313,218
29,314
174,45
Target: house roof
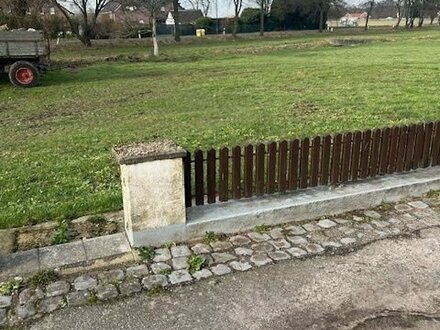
111,6
187,16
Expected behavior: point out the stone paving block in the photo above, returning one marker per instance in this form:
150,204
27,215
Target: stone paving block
130,286
239,240
402,208
257,237
380,223
407,217
180,251
180,276
364,226
106,291
297,252
5,301
203,273
296,230
138,271
50,304
84,282
372,214
162,254
280,244
312,248
154,281
347,230
106,246
358,218
348,240
262,247
310,227
341,221
326,223
201,248
160,267
331,244
56,256
78,298
394,221
242,251
30,295
25,311
298,240
276,233
418,204
222,257
260,259
220,269
180,263
111,276
279,255
19,264
57,288
221,246
240,266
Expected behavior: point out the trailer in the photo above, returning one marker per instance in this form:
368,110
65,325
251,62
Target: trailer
23,56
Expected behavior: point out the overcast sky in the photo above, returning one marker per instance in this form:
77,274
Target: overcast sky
226,8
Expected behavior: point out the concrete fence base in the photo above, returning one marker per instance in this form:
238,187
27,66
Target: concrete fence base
155,212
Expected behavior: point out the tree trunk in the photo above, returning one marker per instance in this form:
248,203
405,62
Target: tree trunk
154,37
262,12
370,9
399,14
321,18
176,20
235,28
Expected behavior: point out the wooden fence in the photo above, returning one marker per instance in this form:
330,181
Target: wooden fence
238,172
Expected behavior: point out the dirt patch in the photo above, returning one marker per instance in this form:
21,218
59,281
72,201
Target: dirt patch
35,236
349,42
85,227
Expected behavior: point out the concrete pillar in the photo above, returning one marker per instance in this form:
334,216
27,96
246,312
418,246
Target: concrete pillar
152,188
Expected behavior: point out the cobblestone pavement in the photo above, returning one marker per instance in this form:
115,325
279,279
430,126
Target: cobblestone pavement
175,265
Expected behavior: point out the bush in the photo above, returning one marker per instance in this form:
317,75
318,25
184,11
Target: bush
132,31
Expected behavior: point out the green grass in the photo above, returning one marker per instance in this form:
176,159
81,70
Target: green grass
56,160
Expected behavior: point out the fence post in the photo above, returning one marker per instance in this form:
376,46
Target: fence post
152,176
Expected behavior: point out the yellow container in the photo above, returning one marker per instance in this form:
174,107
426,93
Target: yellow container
200,33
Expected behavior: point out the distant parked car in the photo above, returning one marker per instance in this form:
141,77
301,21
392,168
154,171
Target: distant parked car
23,55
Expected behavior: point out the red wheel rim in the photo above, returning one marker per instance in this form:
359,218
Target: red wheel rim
24,76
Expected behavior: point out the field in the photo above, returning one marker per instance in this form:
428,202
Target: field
56,160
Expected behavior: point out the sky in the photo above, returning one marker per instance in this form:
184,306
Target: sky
226,8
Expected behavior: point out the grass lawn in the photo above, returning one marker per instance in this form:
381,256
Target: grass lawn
56,159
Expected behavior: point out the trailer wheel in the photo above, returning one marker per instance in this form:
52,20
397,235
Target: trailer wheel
24,74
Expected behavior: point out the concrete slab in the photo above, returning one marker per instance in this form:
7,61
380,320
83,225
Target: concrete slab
108,246
62,255
19,264
239,215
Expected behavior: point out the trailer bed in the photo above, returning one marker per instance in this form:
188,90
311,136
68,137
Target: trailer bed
22,44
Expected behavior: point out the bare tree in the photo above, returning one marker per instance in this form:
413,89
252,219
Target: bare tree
238,4
202,5
264,6
176,6
369,5
399,13
82,19
154,8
